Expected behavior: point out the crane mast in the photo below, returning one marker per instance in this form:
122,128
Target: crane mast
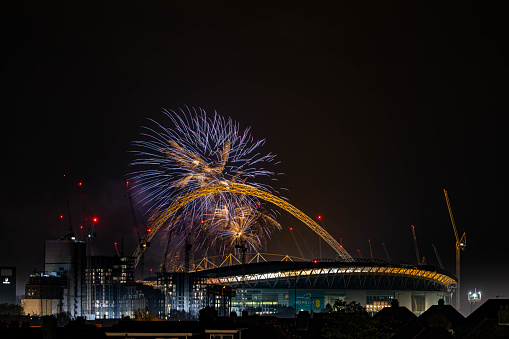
438,257
296,243
133,212
386,253
461,243
162,268
415,245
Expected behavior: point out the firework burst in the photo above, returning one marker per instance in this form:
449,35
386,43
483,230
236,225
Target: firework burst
195,152
241,226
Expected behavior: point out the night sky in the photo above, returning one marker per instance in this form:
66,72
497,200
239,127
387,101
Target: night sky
372,110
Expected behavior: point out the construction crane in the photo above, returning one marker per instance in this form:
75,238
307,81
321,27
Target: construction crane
296,243
319,238
162,268
243,248
416,248
438,257
461,243
386,253
90,222
187,248
71,233
116,249
133,211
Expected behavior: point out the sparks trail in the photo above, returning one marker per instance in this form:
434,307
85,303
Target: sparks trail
198,151
241,226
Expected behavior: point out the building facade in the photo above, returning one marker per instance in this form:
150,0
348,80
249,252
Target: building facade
44,294
80,285
183,292
139,300
66,257
106,278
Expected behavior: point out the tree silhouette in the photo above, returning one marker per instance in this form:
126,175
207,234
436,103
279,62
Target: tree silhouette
349,321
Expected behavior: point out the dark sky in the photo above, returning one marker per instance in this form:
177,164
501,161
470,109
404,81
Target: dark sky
372,110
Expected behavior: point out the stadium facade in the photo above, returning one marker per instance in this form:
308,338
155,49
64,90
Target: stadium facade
103,287
283,287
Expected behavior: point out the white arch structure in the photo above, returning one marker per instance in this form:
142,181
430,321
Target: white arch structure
238,189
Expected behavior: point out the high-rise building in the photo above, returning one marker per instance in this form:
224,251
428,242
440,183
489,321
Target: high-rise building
183,292
138,300
82,285
105,280
66,257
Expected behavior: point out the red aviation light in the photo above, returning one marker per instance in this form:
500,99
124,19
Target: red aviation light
319,217
149,230
315,261
94,220
80,183
202,222
81,227
412,226
291,228
61,216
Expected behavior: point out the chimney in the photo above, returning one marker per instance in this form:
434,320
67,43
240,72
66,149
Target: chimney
394,303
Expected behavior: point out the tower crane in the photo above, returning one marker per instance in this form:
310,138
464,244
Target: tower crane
461,243
438,257
71,233
296,243
131,203
416,248
187,248
386,253
162,268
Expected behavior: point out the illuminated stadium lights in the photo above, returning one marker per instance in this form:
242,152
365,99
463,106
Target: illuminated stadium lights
310,286
395,271
375,307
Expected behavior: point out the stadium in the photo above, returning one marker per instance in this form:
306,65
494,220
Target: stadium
284,287
209,199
